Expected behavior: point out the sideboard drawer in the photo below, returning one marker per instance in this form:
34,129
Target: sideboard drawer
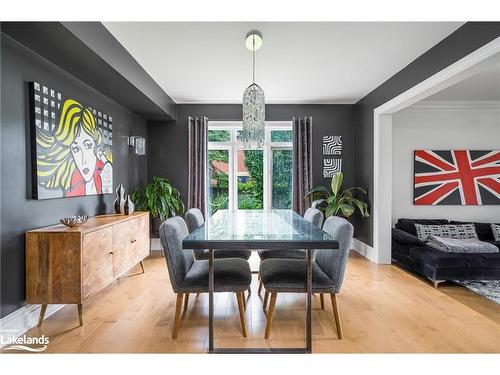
97,260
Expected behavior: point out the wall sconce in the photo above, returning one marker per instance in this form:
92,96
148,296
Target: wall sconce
138,143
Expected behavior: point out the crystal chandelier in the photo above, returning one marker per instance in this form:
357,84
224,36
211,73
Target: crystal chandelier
254,114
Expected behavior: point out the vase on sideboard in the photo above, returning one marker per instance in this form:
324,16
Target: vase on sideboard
120,199
128,206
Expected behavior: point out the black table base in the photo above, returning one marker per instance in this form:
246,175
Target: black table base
211,347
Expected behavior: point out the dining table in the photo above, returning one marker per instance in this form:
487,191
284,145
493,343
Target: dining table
259,230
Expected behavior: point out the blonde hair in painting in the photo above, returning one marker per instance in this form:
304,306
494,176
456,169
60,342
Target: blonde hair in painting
55,164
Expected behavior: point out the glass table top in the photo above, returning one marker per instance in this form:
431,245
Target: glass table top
258,229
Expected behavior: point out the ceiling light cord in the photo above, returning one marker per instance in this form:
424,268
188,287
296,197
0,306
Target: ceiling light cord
253,59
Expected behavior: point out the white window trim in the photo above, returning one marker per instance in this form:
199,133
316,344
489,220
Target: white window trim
232,146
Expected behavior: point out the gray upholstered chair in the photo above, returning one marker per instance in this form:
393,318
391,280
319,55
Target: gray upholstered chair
315,217
194,219
289,275
318,203
191,276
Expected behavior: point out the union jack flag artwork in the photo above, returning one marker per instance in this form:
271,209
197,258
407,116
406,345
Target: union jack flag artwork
457,177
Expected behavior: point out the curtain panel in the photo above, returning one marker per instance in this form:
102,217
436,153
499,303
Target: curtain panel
302,162
197,151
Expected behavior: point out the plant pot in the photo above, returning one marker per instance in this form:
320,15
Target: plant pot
155,227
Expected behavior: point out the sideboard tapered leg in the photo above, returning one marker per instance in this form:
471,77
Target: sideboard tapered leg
80,313
42,315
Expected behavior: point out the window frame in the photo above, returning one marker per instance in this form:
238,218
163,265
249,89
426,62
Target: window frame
233,146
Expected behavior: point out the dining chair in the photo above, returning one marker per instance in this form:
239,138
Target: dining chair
289,275
188,275
194,219
318,203
315,217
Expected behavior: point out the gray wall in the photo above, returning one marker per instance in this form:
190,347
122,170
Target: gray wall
168,141
18,211
462,42
439,129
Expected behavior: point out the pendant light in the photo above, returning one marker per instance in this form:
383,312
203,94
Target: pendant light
254,114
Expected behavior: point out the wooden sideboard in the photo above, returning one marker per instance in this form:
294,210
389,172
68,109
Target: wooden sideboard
66,265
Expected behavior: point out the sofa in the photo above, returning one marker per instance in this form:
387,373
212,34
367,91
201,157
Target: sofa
415,256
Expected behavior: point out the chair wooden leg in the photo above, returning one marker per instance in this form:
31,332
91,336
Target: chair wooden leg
322,299
42,315
186,301
241,308
244,301
260,287
336,314
142,266
266,298
270,314
177,317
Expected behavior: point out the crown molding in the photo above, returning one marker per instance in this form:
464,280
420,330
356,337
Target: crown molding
456,105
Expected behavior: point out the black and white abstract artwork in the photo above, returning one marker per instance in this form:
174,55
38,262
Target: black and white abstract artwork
332,145
331,167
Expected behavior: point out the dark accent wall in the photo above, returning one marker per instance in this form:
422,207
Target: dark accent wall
19,212
459,44
168,142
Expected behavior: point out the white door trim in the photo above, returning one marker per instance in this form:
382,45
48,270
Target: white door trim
382,138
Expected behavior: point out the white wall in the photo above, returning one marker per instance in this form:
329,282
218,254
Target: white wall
469,126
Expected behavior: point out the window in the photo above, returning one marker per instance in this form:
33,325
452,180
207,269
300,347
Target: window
249,179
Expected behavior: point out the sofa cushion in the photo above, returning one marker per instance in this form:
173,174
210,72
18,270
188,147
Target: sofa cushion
440,259
495,228
408,225
463,231
406,238
496,243
483,230
397,247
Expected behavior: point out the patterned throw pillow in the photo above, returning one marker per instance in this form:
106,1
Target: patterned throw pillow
463,231
496,231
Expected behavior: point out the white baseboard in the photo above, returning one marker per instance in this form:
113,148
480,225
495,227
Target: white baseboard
156,245
366,250
23,319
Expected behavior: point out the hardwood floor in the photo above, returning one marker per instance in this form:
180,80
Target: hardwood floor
382,308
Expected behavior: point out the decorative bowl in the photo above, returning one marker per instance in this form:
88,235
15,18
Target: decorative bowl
74,221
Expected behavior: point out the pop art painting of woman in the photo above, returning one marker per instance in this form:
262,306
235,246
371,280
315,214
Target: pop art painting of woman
73,156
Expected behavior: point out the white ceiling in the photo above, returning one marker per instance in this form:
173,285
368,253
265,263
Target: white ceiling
483,86
335,62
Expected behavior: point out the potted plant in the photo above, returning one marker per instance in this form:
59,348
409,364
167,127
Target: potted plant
161,199
339,202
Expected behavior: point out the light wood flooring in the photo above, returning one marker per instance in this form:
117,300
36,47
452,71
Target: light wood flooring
383,309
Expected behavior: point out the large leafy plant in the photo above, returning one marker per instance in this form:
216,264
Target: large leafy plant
339,202
160,198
